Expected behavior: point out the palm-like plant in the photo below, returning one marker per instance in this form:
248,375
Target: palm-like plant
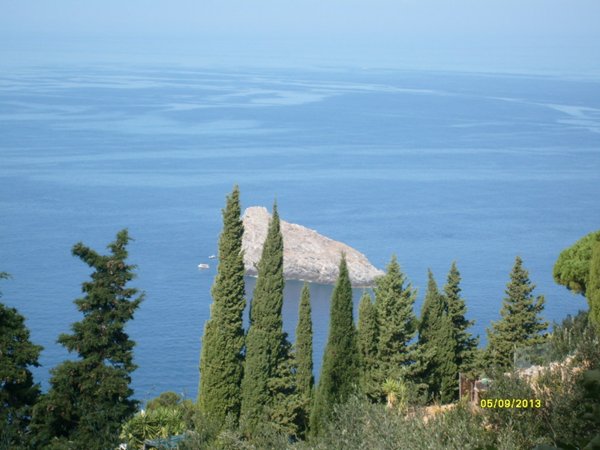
396,392
153,424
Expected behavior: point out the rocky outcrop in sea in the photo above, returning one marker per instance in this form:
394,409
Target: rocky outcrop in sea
307,255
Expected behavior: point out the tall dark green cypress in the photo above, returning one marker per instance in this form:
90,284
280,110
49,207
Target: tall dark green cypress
397,325
285,406
466,344
18,392
367,345
520,324
304,358
340,370
221,359
593,286
436,340
267,347
447,368
90,398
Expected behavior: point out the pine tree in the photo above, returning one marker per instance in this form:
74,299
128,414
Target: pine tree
572,267
433,307
340,369
520,324
593,286
221,360
267,386
397,325
18,392
367,346
465,344
90,398
304,358
436,339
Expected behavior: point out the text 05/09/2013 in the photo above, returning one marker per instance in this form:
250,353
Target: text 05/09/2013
510,403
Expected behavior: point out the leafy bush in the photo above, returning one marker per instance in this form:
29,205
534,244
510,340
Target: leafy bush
165,400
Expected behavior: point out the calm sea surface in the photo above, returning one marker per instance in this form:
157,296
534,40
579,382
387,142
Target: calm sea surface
433,167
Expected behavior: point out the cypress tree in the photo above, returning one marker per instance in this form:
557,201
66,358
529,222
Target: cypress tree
593,286
340,370
90,398
436,339
520,324
267,381
221,359
397,325
283,412
447,369
367,345
18,392
304,359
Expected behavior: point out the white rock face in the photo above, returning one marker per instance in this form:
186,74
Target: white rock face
307,255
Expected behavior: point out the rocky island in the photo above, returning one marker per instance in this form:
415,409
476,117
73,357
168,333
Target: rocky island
307,255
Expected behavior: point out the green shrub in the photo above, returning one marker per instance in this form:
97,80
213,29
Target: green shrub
165,400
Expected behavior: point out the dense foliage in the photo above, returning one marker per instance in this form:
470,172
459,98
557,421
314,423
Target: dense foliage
567,418
436,340
221,359
340,370
90,398
256,391
18,392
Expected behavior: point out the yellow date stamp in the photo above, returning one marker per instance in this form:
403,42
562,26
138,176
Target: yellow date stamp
510,403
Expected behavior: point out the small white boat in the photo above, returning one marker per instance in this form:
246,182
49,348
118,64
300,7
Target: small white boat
203,266
212,257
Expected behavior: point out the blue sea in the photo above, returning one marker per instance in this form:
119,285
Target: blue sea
431,166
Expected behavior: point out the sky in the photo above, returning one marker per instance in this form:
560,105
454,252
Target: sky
523,35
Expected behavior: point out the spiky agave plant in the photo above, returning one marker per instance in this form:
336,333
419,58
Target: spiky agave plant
396,393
